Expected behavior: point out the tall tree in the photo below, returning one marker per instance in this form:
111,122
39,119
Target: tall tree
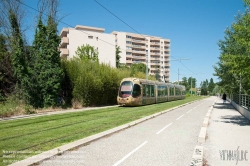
233,67
211,85
18,59
46,70
7,81
184,82
157,75
137,67
87,52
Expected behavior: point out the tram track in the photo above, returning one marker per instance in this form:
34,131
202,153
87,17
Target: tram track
47,118
61,126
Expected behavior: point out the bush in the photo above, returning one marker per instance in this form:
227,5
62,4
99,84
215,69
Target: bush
10,107
93,84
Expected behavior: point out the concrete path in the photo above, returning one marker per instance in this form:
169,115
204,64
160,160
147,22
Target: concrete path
167,140
228,137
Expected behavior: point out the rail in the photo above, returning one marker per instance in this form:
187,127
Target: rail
242,100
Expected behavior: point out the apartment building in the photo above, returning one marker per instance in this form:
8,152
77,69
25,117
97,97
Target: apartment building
135,48
145,48
104,43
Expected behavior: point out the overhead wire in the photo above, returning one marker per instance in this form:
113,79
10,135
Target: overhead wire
66,24
99,38
119,18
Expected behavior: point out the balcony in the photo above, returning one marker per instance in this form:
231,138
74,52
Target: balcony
155,68
167,60
138,41
64,52
154,43
167,66
64,42
139,46
154,58
155,48
138,52
154,63
129,61
167,50
64,32
166,55
155,53
138,61
139,57
129,56
166,44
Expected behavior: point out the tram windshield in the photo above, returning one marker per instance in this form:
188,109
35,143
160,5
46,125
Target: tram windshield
126,89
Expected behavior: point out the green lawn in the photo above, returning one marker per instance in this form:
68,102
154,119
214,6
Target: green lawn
47,132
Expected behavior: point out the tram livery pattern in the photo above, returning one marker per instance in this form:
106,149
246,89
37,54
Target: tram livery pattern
136,92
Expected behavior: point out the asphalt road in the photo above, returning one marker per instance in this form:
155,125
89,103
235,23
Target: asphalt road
168,139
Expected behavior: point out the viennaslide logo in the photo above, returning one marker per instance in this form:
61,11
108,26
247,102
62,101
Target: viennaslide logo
233,155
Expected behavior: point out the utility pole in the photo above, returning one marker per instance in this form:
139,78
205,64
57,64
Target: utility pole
178,76
178,69
191,85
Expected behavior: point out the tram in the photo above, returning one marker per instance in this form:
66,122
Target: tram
136,92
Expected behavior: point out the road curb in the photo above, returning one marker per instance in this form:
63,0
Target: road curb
62,149
198,155
197,158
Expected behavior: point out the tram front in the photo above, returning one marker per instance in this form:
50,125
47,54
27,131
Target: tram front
129,93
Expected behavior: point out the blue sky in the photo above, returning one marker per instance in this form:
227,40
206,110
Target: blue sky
193,26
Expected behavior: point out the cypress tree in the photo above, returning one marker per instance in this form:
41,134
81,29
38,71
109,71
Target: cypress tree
47,70
18,55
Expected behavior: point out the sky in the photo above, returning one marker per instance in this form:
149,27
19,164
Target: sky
193,26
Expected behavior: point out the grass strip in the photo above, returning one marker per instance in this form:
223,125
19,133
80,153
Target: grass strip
74,126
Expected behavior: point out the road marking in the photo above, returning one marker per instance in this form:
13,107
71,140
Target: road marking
125,157
164,128
180,117
189,111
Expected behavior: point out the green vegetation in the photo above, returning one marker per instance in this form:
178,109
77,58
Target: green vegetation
93,83
233,67
47,132
37,78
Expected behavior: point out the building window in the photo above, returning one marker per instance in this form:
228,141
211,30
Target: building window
128,36
97,38
128,53
129,48
128,42
90,37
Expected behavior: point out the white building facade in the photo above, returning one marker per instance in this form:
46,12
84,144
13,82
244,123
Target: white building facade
135,48
72,38
144,48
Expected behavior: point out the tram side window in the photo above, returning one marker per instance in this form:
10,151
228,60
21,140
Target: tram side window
152,91
144,90
148,90
177,92
163,90
171,91
159,91
136,90
183,92
166,91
